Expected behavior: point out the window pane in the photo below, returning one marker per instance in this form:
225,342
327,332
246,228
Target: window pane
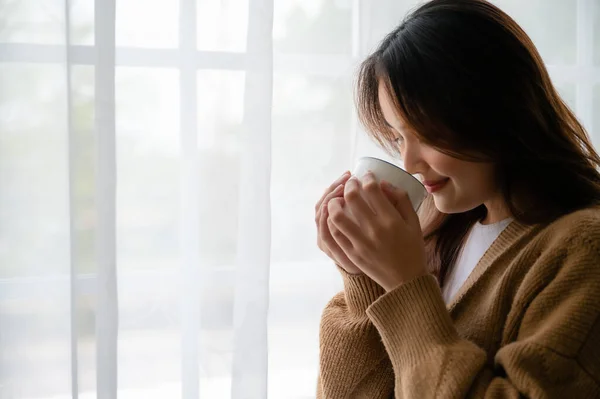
34,232
222,25
33,157
220,114
147,23
551,24
34,237
82,86
313,26
35,22
147,106
32,21
312,146
83,205
311,120
82,22
148,166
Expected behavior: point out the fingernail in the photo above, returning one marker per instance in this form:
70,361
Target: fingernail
343,177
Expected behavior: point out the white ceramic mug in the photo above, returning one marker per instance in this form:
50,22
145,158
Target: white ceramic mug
394,175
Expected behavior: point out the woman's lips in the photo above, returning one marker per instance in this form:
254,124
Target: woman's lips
435,185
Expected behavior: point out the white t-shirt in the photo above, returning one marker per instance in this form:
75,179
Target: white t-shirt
479,240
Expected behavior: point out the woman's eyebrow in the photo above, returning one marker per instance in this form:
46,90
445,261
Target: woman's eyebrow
399,128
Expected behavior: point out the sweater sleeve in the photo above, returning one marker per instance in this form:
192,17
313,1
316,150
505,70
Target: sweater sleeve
556,353
353,360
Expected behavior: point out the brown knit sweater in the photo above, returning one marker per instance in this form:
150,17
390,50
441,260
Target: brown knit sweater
526,323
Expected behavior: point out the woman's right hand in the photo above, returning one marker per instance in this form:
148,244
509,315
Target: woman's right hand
325,239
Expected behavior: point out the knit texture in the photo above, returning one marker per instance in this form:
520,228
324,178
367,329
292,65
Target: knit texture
526,323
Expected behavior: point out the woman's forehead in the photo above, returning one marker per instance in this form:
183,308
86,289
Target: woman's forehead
388,108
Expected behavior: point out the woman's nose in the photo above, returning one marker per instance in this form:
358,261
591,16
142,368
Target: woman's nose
412,159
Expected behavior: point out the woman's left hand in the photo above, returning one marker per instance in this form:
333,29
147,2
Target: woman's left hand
382,234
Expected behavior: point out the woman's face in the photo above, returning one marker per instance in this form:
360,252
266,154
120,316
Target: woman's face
456,185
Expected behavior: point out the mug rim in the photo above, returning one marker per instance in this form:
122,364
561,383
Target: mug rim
397,167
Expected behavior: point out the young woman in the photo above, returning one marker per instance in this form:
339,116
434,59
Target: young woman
493,290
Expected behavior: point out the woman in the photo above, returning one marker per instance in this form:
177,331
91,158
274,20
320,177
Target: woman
493,290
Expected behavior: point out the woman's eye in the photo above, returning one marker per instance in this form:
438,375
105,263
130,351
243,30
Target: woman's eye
398,140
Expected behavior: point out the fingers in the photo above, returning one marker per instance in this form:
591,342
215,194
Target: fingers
338,237
337,192
376,197
341,242
342,222
326,233
322,214
341,180
354,199
401,202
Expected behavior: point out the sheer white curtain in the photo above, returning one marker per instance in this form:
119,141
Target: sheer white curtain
159,164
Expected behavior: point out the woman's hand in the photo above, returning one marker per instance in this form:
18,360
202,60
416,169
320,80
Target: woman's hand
325,241
382,236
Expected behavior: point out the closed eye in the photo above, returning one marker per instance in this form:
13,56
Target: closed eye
397,145
398,139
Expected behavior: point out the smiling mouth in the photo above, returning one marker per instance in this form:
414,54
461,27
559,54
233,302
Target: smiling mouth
433,186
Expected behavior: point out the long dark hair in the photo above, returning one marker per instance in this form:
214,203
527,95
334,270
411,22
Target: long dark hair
470,83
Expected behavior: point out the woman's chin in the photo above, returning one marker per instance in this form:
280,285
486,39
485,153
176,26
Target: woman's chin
448,206
443,204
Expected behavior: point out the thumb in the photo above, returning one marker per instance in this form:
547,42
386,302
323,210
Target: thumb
401,202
